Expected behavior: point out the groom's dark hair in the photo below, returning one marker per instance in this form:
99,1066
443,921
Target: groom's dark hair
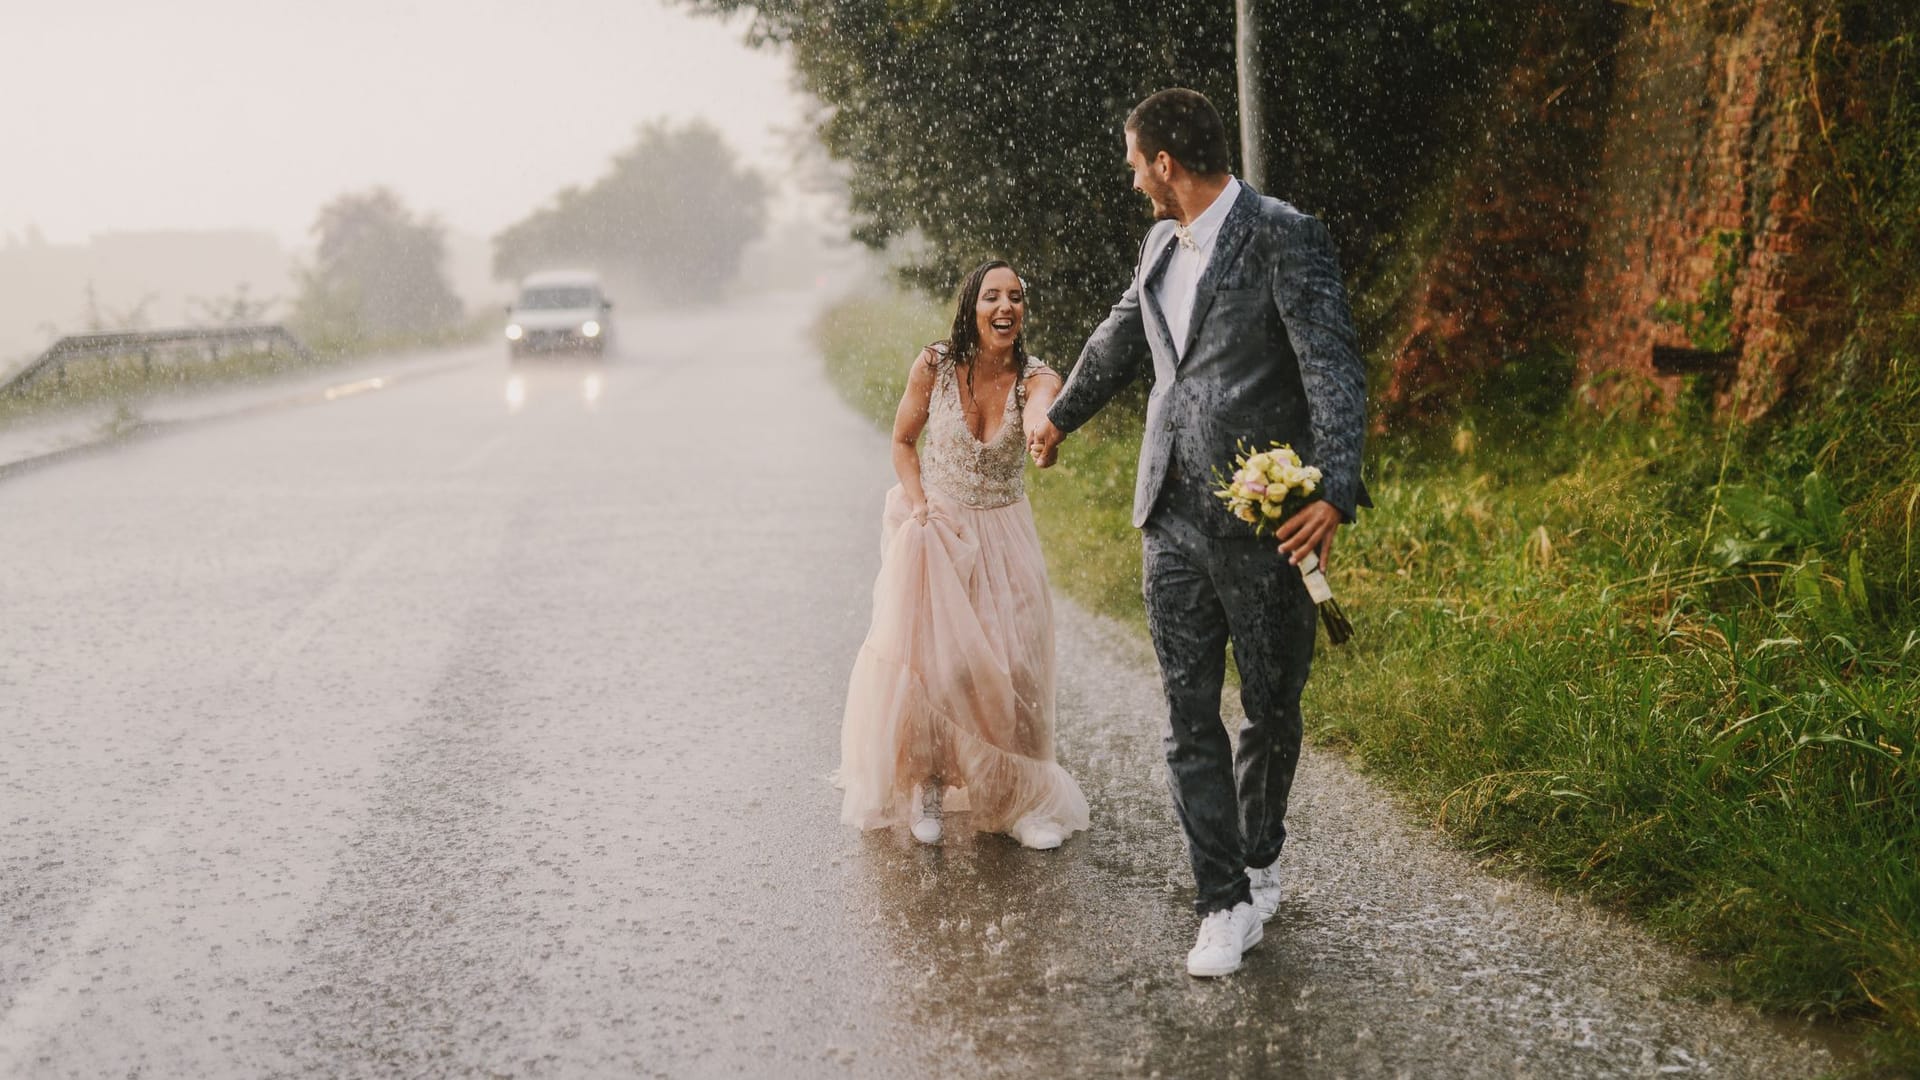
1184,124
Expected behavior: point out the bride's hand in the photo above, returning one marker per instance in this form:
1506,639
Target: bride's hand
1043,441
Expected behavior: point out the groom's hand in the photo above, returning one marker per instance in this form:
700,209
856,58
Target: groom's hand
1311,528
1043,442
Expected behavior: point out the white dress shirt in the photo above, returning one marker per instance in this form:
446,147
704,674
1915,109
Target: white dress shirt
1181,279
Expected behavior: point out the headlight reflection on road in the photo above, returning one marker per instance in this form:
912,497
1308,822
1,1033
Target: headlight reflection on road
593,387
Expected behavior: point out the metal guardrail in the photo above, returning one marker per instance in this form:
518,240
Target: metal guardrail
169,346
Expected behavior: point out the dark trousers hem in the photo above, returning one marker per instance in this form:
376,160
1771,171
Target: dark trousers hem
1227,901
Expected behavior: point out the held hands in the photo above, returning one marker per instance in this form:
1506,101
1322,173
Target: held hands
1043,442
1309,529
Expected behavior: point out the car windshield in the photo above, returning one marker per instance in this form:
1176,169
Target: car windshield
565,296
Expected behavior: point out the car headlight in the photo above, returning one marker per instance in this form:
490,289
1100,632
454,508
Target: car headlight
514,333
590,328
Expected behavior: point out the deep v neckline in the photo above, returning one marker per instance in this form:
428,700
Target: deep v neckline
1005,406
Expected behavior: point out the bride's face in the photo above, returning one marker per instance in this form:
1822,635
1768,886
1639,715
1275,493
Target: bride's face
1001,310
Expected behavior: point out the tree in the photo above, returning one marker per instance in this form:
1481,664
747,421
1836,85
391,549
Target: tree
993,128
378,274
238,308
674,213
96,317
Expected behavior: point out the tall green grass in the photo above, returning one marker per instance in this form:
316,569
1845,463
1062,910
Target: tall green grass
1688,700
1673,666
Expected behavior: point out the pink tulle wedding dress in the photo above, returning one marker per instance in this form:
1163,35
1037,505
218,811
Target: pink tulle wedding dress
955,682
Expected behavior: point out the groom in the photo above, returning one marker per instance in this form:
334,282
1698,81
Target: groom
1238,305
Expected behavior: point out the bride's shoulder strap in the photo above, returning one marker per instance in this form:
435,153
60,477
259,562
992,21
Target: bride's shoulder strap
938,355
1037,366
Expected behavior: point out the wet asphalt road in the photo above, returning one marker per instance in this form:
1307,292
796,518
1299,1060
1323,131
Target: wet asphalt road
479,725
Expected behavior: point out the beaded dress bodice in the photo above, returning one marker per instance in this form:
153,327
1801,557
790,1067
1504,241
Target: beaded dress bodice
959,466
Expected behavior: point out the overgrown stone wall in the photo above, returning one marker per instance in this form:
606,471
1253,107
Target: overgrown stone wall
1514,226
1646,188
1701,204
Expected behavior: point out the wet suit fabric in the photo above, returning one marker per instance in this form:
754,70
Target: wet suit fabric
1269,356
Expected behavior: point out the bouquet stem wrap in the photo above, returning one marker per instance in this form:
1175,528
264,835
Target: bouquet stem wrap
1339,630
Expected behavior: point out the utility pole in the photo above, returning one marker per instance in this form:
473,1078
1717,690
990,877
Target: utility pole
1253,140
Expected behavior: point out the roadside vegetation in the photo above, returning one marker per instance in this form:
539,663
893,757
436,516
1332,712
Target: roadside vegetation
1669,664
91,382
1672,666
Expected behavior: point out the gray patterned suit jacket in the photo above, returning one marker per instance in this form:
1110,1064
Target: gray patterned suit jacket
1270,356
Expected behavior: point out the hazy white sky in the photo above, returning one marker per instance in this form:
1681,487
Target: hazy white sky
135,114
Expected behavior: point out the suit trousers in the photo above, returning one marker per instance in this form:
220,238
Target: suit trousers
1203,592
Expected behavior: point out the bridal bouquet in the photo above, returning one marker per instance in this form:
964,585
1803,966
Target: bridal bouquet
1264,489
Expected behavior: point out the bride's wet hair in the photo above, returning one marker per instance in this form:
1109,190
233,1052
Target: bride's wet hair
966,330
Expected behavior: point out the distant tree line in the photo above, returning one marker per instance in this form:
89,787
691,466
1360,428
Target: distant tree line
993,128
673,215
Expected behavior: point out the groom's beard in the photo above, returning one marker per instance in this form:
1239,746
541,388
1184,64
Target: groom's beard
1166,205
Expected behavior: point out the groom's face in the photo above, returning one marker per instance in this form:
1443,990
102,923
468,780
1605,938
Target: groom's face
1150,179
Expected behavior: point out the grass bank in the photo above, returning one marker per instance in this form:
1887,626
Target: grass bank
1672,667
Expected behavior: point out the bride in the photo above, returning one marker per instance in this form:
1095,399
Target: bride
950,706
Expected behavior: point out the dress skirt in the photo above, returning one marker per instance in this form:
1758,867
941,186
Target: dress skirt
956,678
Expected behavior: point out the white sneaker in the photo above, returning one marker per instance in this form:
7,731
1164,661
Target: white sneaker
1036,833
1266,889
1224,936
926,813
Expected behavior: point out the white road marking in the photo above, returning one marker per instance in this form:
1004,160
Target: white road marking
318,612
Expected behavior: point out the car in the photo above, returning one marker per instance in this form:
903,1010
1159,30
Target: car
559,311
